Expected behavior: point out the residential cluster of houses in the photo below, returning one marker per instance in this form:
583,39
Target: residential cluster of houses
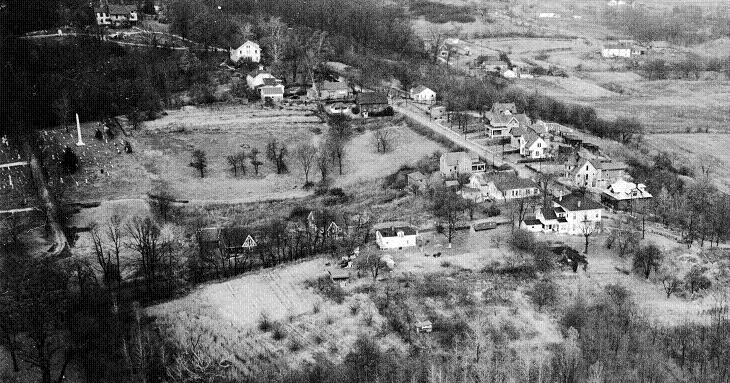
450,47
532,140
268,86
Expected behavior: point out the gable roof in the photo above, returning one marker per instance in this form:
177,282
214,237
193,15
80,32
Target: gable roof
540,129
259,72
271,81
499,107
391,229
371,98
518,131
420,89
549,214
235,237
531,138
522,119
583,162
611,165
622,190
501,119
334,85
116,9
573,202
453,157
248,42
509,181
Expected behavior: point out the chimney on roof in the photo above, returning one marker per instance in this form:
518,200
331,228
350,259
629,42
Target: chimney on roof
261,67
561,197
579,201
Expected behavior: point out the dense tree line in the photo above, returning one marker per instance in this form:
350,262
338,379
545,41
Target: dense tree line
46,82
694,206
363,27
681,26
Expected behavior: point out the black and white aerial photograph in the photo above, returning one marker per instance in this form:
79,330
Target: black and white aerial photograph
364,191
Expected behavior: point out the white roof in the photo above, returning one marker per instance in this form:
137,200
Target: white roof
622,190
249,43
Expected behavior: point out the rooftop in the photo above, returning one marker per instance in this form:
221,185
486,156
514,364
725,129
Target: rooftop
393,231
454,157
573,202
623,190
371,98
334,85
613,165
116,9
419,89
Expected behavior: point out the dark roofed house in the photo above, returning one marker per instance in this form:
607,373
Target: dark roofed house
334,90
235,240
371,102
209,238
575,203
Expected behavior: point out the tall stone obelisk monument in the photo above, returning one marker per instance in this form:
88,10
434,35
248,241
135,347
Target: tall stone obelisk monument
78,130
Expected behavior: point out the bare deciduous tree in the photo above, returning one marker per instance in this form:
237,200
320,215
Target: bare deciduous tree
255,160
383,140
276,152
145,240
306,154
200,161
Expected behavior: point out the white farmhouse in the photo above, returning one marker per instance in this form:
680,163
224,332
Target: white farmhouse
248,50
610,51
580,214
395,235
533,146
423,94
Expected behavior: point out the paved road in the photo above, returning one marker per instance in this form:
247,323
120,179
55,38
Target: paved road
420,116
490,155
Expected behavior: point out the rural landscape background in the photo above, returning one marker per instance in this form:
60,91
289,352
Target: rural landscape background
204,234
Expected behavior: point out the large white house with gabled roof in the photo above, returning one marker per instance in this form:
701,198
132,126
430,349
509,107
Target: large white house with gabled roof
248,50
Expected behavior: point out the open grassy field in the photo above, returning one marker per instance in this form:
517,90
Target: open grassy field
226,317
363,164
674,106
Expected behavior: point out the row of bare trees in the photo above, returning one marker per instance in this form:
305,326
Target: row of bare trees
279,241
154,248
